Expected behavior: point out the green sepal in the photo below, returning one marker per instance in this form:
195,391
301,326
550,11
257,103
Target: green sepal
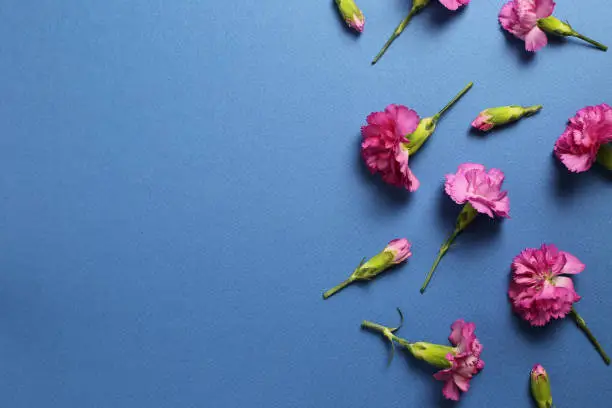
434,354
604,156
375,265
553,25
423,131
465,217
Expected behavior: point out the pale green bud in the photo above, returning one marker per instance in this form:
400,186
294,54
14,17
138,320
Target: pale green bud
351,14
492,117
540,387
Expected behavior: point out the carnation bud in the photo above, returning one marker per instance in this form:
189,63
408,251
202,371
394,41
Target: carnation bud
434,354
396,251
492,117
351,14
553,25
540,387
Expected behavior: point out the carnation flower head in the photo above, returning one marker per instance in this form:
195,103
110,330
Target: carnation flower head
465,362
385,148
531,20
585,134
482,189
539,291
458,364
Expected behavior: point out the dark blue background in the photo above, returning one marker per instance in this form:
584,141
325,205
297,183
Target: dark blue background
180,180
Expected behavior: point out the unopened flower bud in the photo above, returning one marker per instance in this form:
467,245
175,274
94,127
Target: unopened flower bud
351,14
492,117
540,387
396,251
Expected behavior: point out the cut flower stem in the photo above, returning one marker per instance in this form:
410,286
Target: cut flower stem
582,324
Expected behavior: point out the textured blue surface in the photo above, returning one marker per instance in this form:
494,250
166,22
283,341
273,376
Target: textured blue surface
180,181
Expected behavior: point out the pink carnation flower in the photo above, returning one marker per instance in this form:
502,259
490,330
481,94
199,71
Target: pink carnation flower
480,188
539,292
586,132
466,362
385,146
520,17
400,248
454,4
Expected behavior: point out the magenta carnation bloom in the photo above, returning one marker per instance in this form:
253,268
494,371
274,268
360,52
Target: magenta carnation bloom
466,361
585,134
520,17
539,291
480,188
385,147
480,191
457,364
400,248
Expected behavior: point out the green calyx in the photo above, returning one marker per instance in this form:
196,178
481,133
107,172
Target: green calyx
604,156
553,25
417,138
365,271
434,354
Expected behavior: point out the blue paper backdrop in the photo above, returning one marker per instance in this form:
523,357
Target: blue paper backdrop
181,179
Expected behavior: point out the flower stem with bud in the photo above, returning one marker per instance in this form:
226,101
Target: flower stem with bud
467,215
582,324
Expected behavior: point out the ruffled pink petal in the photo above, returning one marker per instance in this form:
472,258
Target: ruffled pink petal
564,282
454,4
573,265
544,8
577,163
535,39
465,167
509,19
451,391
406,120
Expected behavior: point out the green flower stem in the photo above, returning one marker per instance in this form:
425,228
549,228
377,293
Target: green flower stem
591,41
531,110
386,332
400,28
437,116
338,288
443,250
582,324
